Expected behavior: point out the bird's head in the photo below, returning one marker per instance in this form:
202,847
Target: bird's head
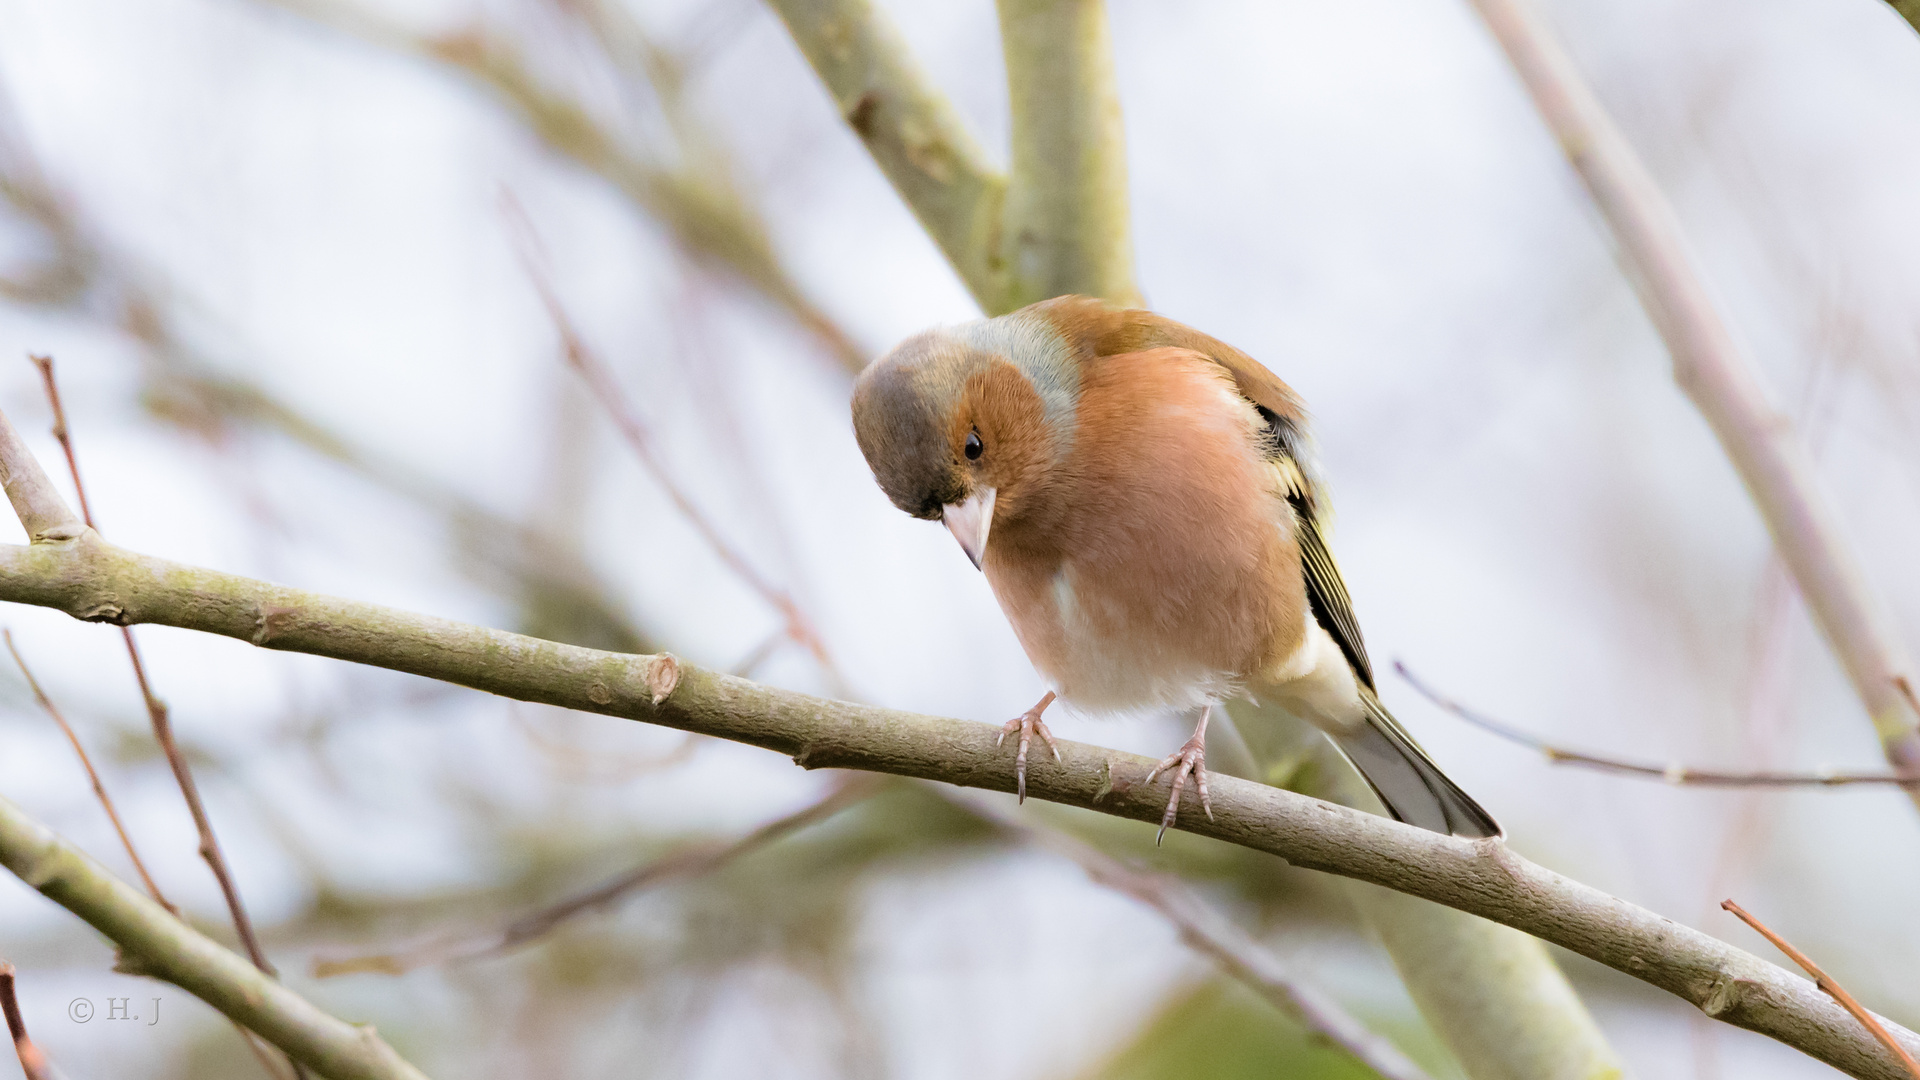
964,425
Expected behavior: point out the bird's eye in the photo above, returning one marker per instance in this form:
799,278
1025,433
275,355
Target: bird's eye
974,446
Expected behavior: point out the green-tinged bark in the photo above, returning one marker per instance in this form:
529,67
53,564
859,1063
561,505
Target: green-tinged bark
1060,224
153,942
914,134
91,579
1066,227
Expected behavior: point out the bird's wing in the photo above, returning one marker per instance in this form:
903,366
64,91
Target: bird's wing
1104,330
1326,592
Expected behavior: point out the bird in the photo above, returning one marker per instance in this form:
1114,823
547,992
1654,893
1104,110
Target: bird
1145,504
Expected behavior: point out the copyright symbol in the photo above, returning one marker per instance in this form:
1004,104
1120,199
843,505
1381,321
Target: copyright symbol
79,1010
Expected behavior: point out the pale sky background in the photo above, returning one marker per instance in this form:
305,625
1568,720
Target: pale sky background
1531,515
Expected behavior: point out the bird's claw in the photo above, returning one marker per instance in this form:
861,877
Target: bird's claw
1027,725
1189,760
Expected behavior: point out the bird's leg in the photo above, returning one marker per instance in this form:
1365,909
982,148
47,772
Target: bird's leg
1190,760
1028,724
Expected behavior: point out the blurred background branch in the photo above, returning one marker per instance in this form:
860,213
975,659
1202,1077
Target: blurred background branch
1759,439
687,187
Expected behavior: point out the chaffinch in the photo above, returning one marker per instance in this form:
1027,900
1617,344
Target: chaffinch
1143,502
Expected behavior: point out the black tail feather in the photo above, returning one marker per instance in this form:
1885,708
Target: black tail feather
1406,779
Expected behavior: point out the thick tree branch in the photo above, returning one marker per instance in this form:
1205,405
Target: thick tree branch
153,942
914,134
1760,440
91,579
1066,227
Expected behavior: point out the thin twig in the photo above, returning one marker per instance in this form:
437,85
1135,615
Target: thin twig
163,727
1827,983
93,775
1672,774
606,389
32,1061
1210,933
691,862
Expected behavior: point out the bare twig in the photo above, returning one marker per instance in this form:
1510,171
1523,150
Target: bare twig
606,390
1827,983
691,862
32,1061
1710,367
93,775
1672,774
1213,935
163,725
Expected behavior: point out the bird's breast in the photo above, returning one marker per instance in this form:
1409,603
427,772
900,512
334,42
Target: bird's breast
1161,570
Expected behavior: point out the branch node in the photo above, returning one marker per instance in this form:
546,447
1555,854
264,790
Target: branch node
1722,995
859,115
106,611
131,963
663,676
271,621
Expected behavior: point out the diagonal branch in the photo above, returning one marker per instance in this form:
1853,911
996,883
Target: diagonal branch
1060,222
93,580
1761,441
914,133
153,942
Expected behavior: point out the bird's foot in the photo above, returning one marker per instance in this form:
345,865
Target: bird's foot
1189,760
1027,725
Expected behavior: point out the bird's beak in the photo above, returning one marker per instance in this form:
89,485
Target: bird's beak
969,521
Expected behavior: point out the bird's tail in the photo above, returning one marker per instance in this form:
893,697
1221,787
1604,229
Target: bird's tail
1406,779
